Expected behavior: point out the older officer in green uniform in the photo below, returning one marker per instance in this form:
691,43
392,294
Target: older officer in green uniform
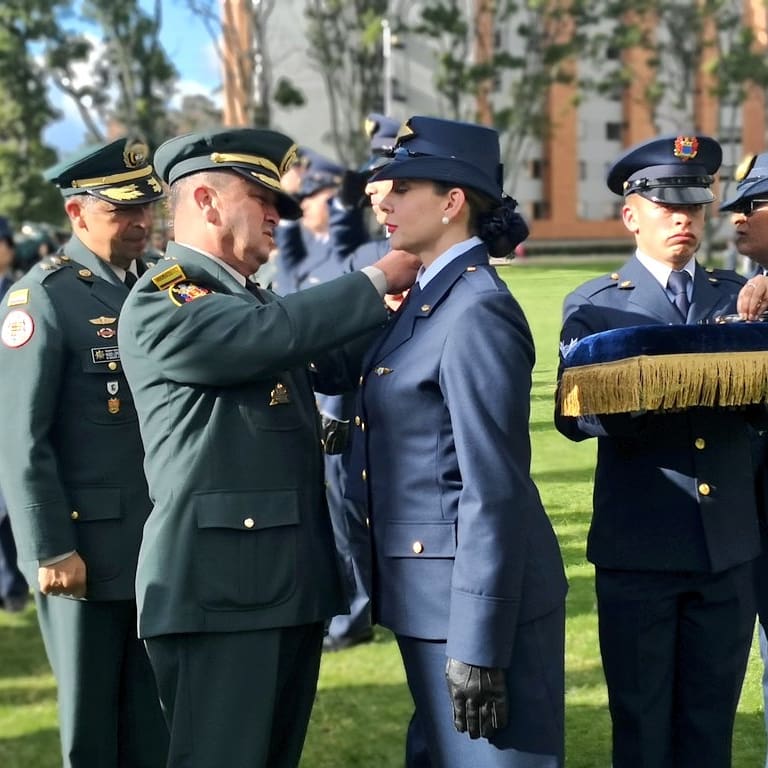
237,571
71,459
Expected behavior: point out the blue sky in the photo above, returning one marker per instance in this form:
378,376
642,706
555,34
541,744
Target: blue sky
187,44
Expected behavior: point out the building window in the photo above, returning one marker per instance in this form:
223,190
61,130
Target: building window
613,131
536,168
582,170
541,209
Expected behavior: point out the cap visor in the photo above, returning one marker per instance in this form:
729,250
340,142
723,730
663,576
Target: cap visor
135,193
678,195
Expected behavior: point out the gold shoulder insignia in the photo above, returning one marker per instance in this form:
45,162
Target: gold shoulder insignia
183,293
168,277
18,297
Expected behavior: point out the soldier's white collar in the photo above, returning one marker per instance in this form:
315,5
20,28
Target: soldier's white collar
661,271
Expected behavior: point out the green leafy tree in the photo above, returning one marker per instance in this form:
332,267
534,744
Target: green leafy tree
24,113
249,59
533,47
345,42
130,81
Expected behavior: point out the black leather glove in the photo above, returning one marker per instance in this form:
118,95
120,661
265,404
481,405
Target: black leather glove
479,698
335,435
352,189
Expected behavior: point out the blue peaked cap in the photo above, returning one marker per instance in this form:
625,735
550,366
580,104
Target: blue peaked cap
752,175
671,170
449,151
319,173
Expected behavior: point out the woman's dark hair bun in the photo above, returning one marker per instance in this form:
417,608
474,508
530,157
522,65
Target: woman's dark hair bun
502,228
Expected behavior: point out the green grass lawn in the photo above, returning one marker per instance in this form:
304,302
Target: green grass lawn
363,705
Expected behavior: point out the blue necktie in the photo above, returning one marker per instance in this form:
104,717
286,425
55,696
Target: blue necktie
678,284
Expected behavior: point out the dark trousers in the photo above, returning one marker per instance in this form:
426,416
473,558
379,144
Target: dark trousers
237,699
675,649
534,735
109,712
350,532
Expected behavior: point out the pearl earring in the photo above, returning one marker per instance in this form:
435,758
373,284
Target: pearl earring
445,220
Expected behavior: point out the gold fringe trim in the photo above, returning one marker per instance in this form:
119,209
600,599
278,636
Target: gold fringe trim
665,382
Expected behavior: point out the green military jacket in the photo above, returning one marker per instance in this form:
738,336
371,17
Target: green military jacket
70,449
239,537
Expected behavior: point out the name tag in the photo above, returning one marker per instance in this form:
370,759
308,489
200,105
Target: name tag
105,354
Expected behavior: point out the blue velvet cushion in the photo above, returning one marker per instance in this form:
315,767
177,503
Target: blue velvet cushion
662,367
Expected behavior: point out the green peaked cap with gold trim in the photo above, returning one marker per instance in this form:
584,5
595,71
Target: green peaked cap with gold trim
259,155
118,172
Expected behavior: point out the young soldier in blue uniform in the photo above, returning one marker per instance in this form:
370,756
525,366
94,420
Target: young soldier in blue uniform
238,570
749,215
71,459
467,570
674,527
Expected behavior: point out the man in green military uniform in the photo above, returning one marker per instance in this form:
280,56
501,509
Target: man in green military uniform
71,459
237,571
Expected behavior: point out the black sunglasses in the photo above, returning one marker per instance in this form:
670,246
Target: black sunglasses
748,207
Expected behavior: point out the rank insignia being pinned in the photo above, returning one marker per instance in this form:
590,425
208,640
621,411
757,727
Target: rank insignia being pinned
626,285
183,293
17,330
279,395
382,371
18,297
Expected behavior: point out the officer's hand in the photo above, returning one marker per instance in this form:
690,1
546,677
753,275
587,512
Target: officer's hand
753,298
400,268
479,698
351,192
66,577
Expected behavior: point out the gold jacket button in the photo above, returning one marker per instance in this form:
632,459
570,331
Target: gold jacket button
364,475
248,522
417,547
112,366
700,443
704,489
75,514
358,421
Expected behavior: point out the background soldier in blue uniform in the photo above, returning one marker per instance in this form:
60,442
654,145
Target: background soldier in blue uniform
238,570
467,570
674,527
71,459
749,216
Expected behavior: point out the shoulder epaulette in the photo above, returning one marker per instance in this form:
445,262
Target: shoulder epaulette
50,264
715,276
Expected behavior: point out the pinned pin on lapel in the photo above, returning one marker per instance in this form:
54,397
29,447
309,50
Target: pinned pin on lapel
382,371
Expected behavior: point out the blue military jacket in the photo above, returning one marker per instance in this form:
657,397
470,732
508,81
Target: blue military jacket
464,551
673,491
239,537
70,450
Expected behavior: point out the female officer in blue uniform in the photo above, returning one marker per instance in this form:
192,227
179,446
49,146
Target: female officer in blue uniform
468,573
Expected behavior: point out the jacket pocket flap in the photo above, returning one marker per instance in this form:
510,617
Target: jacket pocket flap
95,504
420,539
246,510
